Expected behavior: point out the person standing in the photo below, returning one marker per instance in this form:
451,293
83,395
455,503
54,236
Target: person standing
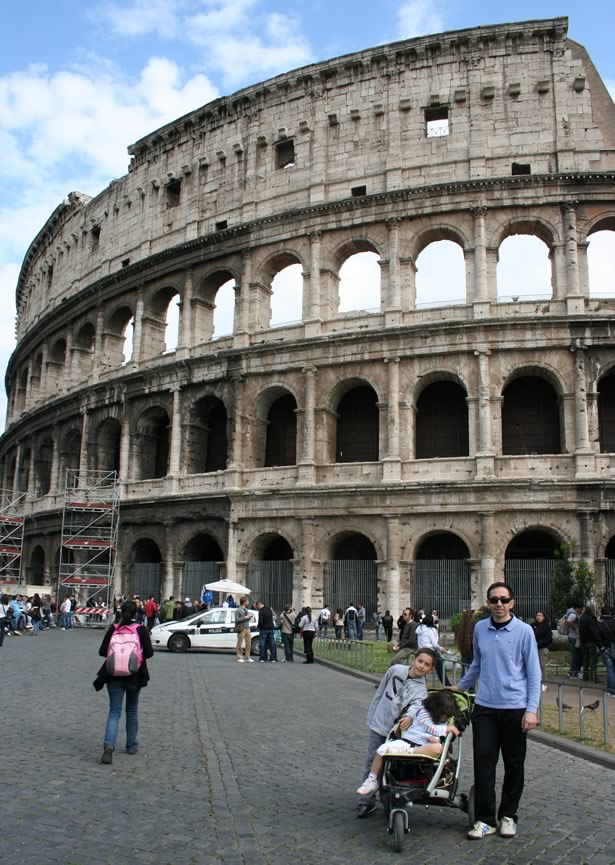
573,614
309,628
407,643
243,617
266,638
360,621
287,621
350,622
338,623
427,638
544,638
607,633
324,619
67,615
377,620
151,611
590,638
506,660
119,685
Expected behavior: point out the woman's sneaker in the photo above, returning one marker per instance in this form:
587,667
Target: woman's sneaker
370,785
479,830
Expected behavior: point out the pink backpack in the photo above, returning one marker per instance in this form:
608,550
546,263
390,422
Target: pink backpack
124,655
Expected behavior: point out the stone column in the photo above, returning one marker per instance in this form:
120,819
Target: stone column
241,323
68,361
487,563
236,450
392,600
124,470
307,462
392,460
312,302
98,359
55,463
586,548
392,302
485,458
16,479
407,278
138,329
176,433
571,251
584,454
302,595
481,294
84,453
184,337
169,562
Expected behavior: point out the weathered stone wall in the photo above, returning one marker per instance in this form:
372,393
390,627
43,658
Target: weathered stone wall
204,201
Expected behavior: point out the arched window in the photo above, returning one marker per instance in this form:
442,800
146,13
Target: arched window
530,418
442,575
606,413
529,564
270,571
287,296
107,447
600,257
358,426
524,269
43,467
440,274
152,444
359,287
171,329
442,421
201,564
84,348
224,310
146,570
208,442
351,576
281,437
119,337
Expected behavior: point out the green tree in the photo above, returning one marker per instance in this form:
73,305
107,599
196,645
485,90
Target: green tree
572,582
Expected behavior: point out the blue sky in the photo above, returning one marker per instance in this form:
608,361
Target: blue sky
80,81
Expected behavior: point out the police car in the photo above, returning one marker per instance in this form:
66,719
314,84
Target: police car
209,629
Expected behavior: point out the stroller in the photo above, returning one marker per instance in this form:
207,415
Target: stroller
411,780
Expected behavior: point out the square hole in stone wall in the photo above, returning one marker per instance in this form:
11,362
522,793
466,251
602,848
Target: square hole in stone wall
358,191
436,122
173,191
285,153
521,168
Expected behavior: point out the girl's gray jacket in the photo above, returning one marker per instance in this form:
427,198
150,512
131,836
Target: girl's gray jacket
395,692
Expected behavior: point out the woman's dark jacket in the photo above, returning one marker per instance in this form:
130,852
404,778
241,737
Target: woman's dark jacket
543,634
141,677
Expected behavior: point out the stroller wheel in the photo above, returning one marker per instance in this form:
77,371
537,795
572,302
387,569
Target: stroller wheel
398,831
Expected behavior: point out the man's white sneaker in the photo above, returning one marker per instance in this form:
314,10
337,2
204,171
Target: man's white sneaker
250,660
240,661
508,827
479,830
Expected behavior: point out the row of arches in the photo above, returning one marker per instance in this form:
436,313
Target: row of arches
441,571
531,423
137,328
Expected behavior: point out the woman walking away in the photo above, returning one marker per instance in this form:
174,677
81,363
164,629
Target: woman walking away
387,624
464,638
309,627
544,638
36,614
427,638
126,647
338,623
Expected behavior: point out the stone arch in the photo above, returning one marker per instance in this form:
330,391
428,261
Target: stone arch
351,575
207,323
37,373
358,275
36,567
606,412
202,555
22,389
358,423
146,570
208,436
529,560
42,466
441,579
600,255
532,420
524,265
270,569
442,428
70,454
24,469
84,348
151,443
118,335
274,439
535,226
278,293
161,321
107,445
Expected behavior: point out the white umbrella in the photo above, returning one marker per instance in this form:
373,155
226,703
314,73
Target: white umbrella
228,586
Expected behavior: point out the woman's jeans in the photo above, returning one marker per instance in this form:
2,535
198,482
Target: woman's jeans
2,627
287,642
308,639
37,625
117,688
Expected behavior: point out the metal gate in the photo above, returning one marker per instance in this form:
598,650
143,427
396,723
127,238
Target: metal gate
530,580
146,580
609,588
271,582
351,581
442,585
196,574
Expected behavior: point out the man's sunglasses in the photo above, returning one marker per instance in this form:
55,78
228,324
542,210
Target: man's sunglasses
499,600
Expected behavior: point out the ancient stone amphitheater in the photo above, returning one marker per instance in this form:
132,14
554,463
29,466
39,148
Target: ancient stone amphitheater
411,452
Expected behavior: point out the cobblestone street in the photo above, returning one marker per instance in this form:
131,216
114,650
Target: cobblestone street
253,763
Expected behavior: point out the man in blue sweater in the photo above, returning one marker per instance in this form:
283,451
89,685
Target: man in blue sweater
506,659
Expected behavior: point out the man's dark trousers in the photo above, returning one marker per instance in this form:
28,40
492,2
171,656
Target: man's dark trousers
495,730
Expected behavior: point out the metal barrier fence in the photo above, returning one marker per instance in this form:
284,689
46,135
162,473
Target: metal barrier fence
586,717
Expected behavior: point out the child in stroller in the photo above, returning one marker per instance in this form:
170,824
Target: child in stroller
421,729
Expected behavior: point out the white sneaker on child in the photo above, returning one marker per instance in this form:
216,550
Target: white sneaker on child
370,785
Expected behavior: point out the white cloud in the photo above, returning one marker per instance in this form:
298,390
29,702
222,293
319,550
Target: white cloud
142,17
419,18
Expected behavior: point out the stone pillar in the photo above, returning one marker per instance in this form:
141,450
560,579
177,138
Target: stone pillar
176,433
302,595
169,562
241,323
407,278
586,547
392,302
98,359
307,462
16,479
84,453
55,463
138,329
68,361
487,562
236,454
584,454
480,292
485,458
572,256
392,460
312,302
392,600
184,337
124,471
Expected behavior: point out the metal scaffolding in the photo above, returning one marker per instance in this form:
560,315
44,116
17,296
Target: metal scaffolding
90,524
11,536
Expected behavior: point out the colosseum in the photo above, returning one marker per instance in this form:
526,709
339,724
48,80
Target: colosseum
321,447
